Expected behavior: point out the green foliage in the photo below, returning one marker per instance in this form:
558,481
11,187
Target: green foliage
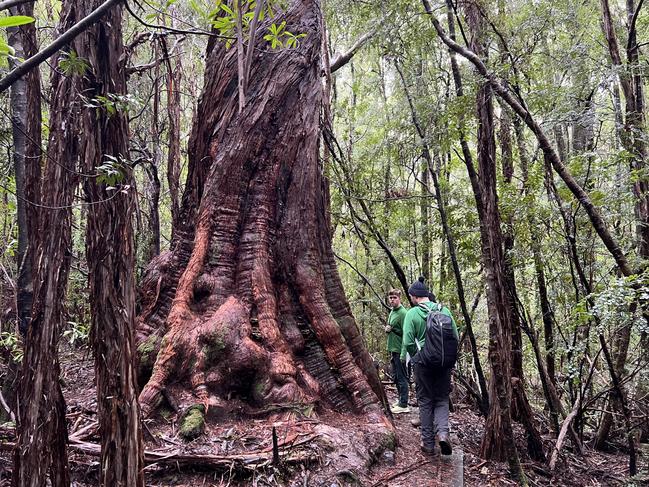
113,103
112,171
12,342
614,304
78,334
11,21
278,32
71,64
224,19
15,20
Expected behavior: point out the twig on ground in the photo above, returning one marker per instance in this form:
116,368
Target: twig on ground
400,473
80,434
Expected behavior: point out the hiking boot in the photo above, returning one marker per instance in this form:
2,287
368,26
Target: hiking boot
399,409
427,450
445,444
416,422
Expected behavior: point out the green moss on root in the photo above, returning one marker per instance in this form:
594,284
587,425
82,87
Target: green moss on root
148,351
192,424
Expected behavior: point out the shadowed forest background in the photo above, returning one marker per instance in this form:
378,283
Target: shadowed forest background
212,199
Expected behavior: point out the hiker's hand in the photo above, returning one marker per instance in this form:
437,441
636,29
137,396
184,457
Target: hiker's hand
388,328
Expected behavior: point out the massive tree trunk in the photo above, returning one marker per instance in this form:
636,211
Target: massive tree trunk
110,254
248,303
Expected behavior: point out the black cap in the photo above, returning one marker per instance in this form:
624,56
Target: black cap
418,288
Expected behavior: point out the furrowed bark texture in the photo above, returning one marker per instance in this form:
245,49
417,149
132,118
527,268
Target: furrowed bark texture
41,448
248,303
110,255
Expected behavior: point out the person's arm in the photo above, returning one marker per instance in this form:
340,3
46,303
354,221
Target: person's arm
388,327
408,338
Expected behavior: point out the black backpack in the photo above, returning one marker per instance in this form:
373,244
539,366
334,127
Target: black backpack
440,348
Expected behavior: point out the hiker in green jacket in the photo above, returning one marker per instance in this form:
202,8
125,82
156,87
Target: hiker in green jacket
394,329
433,385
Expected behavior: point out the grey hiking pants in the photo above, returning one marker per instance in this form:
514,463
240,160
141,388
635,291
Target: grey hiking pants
433,388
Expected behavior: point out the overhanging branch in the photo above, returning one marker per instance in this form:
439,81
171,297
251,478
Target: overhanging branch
67,37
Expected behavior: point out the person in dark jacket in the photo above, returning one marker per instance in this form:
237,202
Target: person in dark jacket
394,329
433,385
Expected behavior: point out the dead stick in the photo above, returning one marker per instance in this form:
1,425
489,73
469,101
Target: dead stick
275,448
400,473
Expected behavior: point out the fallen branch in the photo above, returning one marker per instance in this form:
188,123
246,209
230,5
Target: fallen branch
400,473
79,434
242,461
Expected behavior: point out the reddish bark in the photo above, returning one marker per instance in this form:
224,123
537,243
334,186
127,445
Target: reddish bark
249,302
521,410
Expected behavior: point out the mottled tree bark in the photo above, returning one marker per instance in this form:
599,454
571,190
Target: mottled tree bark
110,255
25,102
248,303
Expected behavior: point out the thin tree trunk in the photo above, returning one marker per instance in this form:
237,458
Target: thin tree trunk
25,96
633,140
41,447
110,256
426,242
546,310
173,78
497,442
25,99
521,410
153,164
